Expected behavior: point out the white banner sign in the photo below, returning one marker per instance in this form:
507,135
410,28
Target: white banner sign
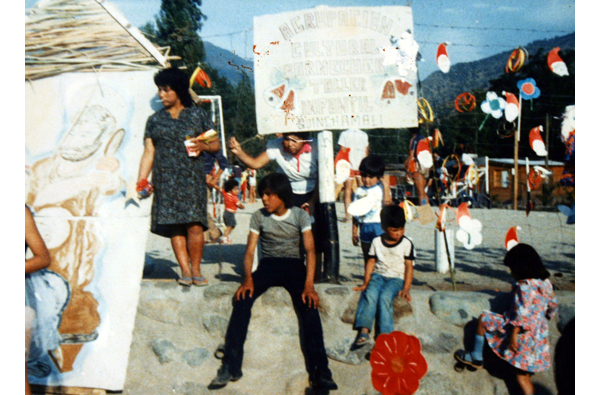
335,68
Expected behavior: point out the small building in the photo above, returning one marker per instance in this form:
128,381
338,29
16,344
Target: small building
499,185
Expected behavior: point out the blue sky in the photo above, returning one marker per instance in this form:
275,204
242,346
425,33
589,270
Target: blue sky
475,29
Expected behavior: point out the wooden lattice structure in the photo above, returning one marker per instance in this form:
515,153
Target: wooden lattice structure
85,35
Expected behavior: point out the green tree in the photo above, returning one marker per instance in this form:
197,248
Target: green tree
177,26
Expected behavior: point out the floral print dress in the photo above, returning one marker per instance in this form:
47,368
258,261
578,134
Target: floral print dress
533,304
179,180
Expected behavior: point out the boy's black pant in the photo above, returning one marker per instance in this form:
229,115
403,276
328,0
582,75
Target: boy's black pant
289,273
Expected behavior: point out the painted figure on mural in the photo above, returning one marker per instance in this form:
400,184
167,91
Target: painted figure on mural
73,182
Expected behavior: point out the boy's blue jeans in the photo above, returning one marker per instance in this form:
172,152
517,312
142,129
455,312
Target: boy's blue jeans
377,300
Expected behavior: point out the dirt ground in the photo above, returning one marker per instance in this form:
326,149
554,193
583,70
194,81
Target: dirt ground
478,269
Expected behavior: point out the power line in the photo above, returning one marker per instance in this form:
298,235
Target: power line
480,45
493,28
435,26
229,34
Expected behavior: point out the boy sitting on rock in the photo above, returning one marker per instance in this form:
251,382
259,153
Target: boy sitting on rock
389,272
283,231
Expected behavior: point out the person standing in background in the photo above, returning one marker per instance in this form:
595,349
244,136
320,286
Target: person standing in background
356,143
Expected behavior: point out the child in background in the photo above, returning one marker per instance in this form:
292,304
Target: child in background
244,185
251,184
230,197
520,335
284,232
389,273
375,188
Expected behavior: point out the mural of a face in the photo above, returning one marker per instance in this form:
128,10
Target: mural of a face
86,135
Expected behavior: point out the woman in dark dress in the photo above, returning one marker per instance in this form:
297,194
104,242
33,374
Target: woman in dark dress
179,207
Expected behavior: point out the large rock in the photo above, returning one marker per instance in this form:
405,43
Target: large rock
458,308
342,351
438,384
215,324
164,350
440,343
276,297
401,309
195,357
221,290
163,310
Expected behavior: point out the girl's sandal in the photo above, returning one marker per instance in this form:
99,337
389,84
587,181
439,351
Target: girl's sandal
185,281
199,281
465,358
361,340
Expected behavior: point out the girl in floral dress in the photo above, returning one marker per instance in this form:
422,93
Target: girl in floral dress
520,335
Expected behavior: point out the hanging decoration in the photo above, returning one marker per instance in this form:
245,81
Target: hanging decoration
472,176
424,153
512,106
401,54
529,89
446,179
536,142
556,64
567,134
516,60
437,138
568,124
201,78
342,165
425,111
506,129
535,177
529,205
511,238
465,102
397,364
409,209
442,59
492,105
388,91
441,222
469,232
402,86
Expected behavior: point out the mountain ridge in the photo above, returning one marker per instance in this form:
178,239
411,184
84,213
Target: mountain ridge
228,64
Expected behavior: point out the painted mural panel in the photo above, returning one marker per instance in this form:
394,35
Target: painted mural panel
84,139
335,68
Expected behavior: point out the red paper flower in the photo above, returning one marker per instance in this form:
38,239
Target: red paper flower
397,364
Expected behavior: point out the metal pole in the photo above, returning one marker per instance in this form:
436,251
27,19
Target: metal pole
516,158
548,148
331,262
449,261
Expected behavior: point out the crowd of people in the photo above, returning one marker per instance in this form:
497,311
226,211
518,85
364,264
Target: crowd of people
287,230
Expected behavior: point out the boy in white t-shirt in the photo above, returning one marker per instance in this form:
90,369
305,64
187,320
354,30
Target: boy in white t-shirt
389,273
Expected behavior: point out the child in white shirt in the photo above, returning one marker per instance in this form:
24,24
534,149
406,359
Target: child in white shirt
389,273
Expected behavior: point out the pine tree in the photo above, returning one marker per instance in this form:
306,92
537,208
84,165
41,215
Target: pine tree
177,26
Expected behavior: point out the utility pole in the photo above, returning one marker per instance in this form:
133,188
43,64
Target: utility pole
516,159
